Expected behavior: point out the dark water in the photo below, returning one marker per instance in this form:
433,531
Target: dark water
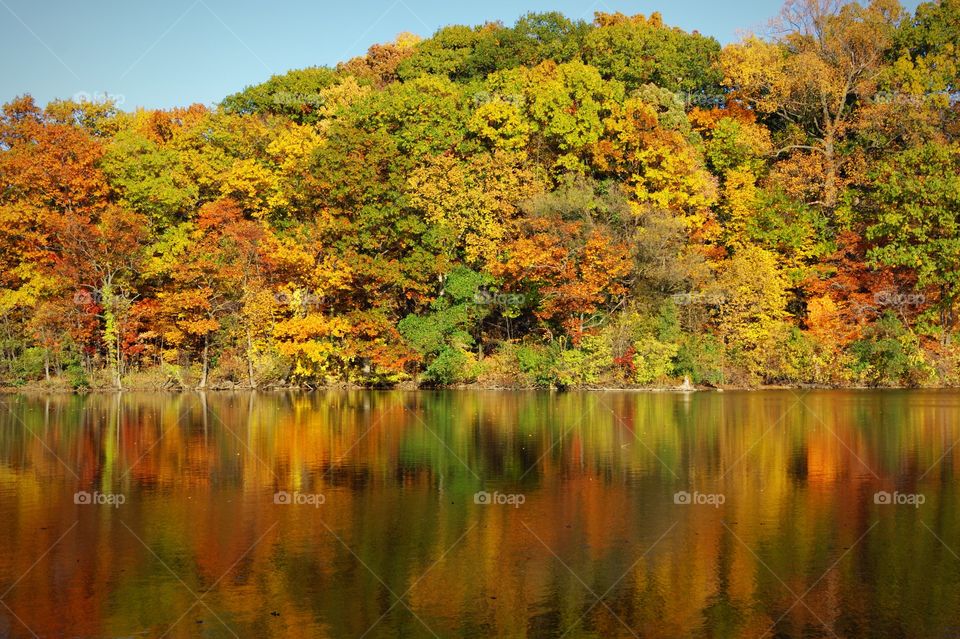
581,534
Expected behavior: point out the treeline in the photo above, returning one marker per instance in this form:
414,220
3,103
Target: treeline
556,203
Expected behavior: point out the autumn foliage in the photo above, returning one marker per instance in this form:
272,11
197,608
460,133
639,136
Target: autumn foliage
554,203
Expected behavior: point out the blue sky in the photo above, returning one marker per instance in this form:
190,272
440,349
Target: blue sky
177,52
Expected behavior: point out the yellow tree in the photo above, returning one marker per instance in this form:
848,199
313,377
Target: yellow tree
475,200
659,165
753,308
826,58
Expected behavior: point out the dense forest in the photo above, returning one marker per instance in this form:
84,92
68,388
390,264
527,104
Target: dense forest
557,203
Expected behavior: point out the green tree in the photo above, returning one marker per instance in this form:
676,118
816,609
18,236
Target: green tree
637,50
446,334
917,226
150,179
295,94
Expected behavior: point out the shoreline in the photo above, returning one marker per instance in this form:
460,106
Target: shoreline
40,389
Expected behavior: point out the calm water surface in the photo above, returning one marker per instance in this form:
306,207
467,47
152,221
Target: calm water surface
481,514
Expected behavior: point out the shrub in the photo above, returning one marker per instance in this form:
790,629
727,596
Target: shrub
700,357
890,355
537,363
452,365
585,364
502,368
28,366
653,360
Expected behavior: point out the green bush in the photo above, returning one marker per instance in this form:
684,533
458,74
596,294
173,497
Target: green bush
700,357
76,376
444,335
653,360
890,355
452,365
28,366
537,363
586,364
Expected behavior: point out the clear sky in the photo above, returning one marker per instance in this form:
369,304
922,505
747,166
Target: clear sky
177,52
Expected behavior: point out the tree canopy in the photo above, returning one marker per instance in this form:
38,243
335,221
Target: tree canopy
556,202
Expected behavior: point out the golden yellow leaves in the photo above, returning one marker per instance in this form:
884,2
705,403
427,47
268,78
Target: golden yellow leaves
660,167
477,199
751,68
312,342
602,19
824,321
675,180
339,97
739,203
249,183
190,313
501,125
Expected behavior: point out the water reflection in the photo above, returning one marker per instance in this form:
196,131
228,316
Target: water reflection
582,529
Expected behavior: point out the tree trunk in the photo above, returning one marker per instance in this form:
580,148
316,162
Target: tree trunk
250,378
111,335
830,170
206,360
946,314
119,362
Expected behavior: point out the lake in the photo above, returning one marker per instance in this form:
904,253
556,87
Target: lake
481,514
